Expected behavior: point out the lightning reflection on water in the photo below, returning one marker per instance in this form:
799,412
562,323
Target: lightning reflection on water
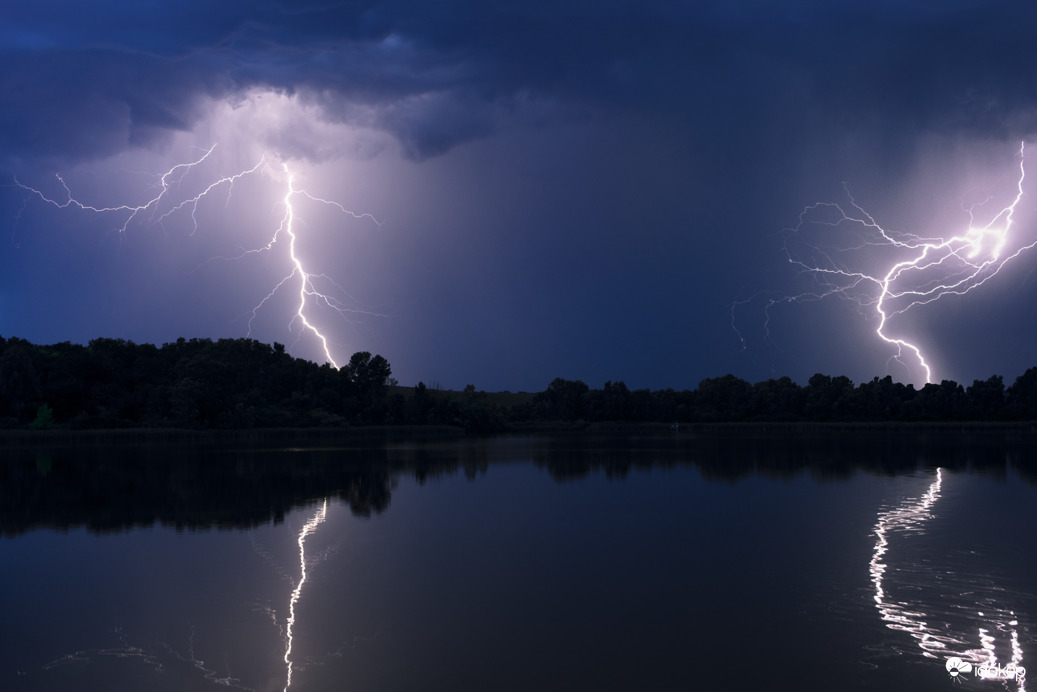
316,520
932,633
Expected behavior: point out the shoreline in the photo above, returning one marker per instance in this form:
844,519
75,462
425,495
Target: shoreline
13,438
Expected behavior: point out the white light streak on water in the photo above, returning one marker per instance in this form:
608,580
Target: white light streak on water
310,526
936,640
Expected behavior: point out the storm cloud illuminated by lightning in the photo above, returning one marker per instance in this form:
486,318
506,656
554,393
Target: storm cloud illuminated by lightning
183,187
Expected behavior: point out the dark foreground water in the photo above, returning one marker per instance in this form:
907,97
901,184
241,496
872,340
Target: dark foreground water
728,561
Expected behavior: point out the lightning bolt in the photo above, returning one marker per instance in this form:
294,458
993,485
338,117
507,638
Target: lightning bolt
173,177
170,199
307,286
913,271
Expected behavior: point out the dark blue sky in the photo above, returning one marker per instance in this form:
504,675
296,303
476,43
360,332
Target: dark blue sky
574,189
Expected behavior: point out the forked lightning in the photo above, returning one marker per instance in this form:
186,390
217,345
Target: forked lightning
890,274
169,200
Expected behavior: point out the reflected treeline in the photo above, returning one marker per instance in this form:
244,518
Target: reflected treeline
826,453
199,486
189,487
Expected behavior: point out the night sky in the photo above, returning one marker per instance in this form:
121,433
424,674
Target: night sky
603,190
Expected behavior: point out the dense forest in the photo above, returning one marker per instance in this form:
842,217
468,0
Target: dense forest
242,383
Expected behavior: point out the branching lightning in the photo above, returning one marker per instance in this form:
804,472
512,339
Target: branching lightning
171,199
307,289
888,274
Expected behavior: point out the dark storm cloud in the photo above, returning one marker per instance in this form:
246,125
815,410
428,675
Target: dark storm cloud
81,80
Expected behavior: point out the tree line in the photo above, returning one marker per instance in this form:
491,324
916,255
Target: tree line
243,383
191,383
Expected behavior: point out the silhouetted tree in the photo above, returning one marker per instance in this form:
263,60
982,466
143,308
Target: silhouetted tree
828,397
612,403
562,400
944,401
881,399
726,398
1022,396
987,398
780,399
19,384
368,379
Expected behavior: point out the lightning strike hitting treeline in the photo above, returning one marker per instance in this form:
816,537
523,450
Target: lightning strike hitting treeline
888,273
171,198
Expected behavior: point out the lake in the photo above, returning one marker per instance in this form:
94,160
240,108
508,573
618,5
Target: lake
743,558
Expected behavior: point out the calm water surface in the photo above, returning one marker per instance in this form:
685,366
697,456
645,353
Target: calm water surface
725,561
